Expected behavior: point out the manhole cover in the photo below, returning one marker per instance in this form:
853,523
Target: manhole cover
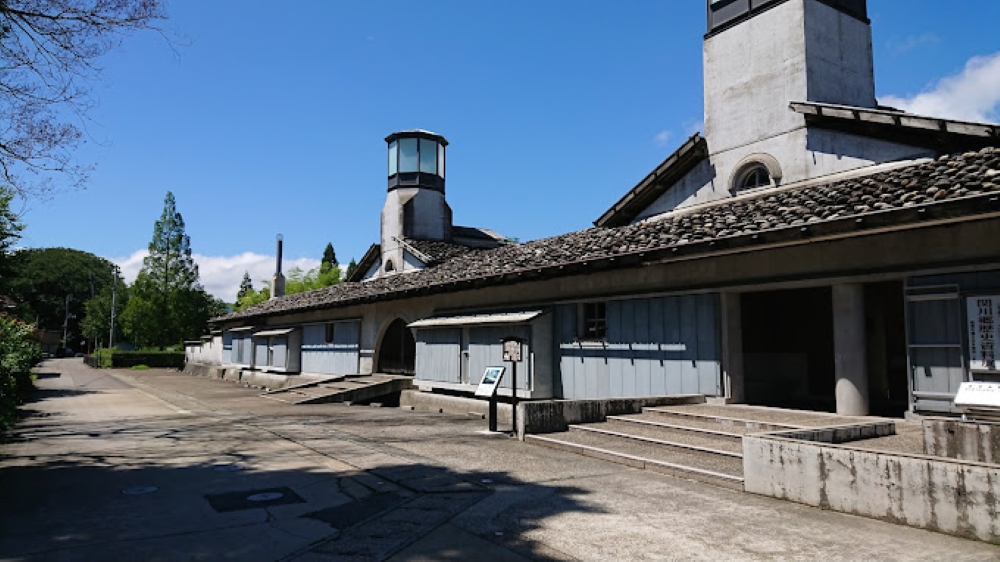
253,499
137,490
228,468
265,496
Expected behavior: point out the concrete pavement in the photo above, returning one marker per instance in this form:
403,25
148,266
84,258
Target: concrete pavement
159,465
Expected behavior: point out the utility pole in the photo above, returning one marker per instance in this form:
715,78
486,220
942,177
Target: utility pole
92,345
114,295
65,323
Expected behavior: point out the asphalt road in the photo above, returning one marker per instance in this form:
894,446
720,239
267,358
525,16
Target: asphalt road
159,465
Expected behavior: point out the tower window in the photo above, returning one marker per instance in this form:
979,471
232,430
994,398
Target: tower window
389,266
755,176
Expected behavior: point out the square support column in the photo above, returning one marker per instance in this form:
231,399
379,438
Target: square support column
849,349
731,322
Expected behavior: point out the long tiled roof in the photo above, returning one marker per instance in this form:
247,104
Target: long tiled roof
955,185
440,251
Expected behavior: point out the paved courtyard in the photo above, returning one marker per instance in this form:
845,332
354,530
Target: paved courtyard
159,465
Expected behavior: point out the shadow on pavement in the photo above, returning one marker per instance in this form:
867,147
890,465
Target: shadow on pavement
150,490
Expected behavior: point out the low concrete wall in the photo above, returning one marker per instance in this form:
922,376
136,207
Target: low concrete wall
256,379
548,416
446,404
204,370
949,496
965,440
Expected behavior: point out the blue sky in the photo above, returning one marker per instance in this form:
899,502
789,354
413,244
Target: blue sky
264,120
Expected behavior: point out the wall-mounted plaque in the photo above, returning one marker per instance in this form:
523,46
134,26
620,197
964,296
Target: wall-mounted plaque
983,315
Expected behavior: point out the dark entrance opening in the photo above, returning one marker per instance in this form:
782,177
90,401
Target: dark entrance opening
788,349
885,327
398,350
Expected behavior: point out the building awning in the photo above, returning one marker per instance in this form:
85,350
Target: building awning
241,329
477,319
279,332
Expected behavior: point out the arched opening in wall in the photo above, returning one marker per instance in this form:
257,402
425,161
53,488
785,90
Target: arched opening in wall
756,171
755,177
397,351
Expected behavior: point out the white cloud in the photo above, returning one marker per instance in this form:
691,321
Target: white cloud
971,95
221,275
907,44
662,138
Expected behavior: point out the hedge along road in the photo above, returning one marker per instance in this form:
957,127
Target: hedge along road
159,465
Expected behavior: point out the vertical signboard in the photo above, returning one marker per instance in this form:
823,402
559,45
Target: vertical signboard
984,332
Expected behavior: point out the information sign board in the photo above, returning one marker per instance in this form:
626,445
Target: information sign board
983,313
512,350
978,395
491,380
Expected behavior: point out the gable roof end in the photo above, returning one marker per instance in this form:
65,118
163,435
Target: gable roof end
692,152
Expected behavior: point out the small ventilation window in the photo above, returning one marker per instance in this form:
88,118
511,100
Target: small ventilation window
330,330
592,323
754,177
389,266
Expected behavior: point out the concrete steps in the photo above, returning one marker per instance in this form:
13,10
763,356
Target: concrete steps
698,441
350,388
702,442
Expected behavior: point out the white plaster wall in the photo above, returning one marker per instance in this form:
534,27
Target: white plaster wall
411,263
839,65
430,222
751,72
208,353
801,50
803,154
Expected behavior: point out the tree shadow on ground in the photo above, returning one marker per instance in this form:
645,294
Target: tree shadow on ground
105,491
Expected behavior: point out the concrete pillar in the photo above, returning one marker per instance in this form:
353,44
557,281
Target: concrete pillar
850,358
732,347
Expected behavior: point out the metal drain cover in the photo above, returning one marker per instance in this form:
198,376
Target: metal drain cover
253,499
137,490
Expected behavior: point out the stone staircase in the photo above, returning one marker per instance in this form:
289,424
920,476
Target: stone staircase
702,442
349,388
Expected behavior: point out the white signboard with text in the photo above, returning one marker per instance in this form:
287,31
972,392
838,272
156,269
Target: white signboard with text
491,379
984,332
978,395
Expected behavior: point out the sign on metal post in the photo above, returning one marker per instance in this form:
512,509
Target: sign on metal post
488,388
512,350
491,380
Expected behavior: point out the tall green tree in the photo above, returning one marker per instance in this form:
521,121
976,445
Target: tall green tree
246,286
10,233
329,258
167,304
42,280
350,269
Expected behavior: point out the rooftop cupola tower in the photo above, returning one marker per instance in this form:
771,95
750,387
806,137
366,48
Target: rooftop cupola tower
761,55
415,207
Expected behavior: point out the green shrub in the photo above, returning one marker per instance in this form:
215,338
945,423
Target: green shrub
151,359
19,352
140,367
